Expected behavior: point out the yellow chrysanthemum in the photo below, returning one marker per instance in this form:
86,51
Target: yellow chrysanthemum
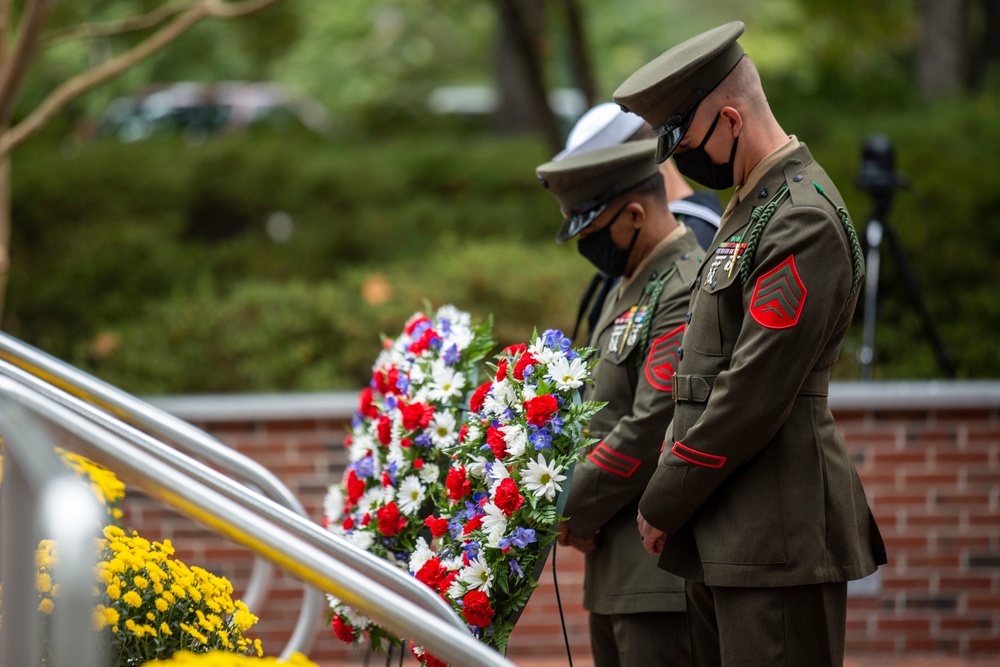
43,582
132,598
46,606
142,583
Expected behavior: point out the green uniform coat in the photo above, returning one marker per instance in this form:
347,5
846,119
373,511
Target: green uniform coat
637,358
755,487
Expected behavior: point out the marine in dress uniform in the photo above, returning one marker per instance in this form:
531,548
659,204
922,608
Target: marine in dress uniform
756,501
636,608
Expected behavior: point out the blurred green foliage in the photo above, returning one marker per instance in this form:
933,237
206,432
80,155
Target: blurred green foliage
152,264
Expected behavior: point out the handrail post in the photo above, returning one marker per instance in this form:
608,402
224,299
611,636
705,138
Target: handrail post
41,499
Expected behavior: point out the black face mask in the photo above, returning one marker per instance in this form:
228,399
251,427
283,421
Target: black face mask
602,252
698,166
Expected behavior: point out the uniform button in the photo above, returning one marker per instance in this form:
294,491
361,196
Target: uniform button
680,354
714,283
697,282
688,317
763,193
797,177
654,275
686,255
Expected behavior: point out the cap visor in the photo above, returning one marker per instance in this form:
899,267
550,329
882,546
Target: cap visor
574,224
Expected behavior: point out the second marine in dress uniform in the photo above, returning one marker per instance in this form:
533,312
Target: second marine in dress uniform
756,501
614,199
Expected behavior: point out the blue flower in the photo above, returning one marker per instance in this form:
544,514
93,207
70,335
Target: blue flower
455,529
472,549
356,421
541,439
403,384
516,569
435,342
391,402
452,356
555,340
522,537
365,467
444,325
556,425
423,440
392,472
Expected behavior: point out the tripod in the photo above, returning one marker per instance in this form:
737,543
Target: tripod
879,178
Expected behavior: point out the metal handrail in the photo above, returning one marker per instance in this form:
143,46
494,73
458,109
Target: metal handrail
378,569
281,546
190,439
43,499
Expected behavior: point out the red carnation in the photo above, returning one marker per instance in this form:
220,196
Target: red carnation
425,658
389,521
417,463
431,573
458,485
386,381
477,609
438,526
355,487
502,370
348,523
365,406
423,343
384,429
463,432
416,415
342,630
540,409
412,325
473,524
507,497
479,396
522,363
514,350
494,438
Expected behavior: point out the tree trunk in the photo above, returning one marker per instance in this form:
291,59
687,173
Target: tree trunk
579,54
523,104
4,230
941,62
985,49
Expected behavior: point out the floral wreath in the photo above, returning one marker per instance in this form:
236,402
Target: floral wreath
493,518
399,445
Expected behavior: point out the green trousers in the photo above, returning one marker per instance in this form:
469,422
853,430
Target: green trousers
640,640
794,626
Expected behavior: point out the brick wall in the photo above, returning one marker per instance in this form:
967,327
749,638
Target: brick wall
928,454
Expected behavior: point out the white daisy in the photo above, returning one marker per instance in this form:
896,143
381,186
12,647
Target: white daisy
477,576
362,539
361,446
429,474
411,495
333,505
370,498
516,438
543,353
567,374
501,396
454,316
446,385
442,429
476,467
542,479
494,524
421,554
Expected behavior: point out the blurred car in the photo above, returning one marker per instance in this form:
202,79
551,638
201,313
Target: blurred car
198,110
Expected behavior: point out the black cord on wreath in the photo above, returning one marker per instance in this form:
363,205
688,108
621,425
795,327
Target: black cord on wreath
562,619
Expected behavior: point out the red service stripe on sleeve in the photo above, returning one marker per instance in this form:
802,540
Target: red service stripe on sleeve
696,457
614,462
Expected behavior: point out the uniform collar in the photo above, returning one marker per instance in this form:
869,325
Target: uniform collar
779,154
641,270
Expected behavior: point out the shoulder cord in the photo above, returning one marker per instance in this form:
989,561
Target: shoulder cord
652,290
761,215
852,240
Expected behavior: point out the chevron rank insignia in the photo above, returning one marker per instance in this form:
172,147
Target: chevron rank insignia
663,358
778,297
